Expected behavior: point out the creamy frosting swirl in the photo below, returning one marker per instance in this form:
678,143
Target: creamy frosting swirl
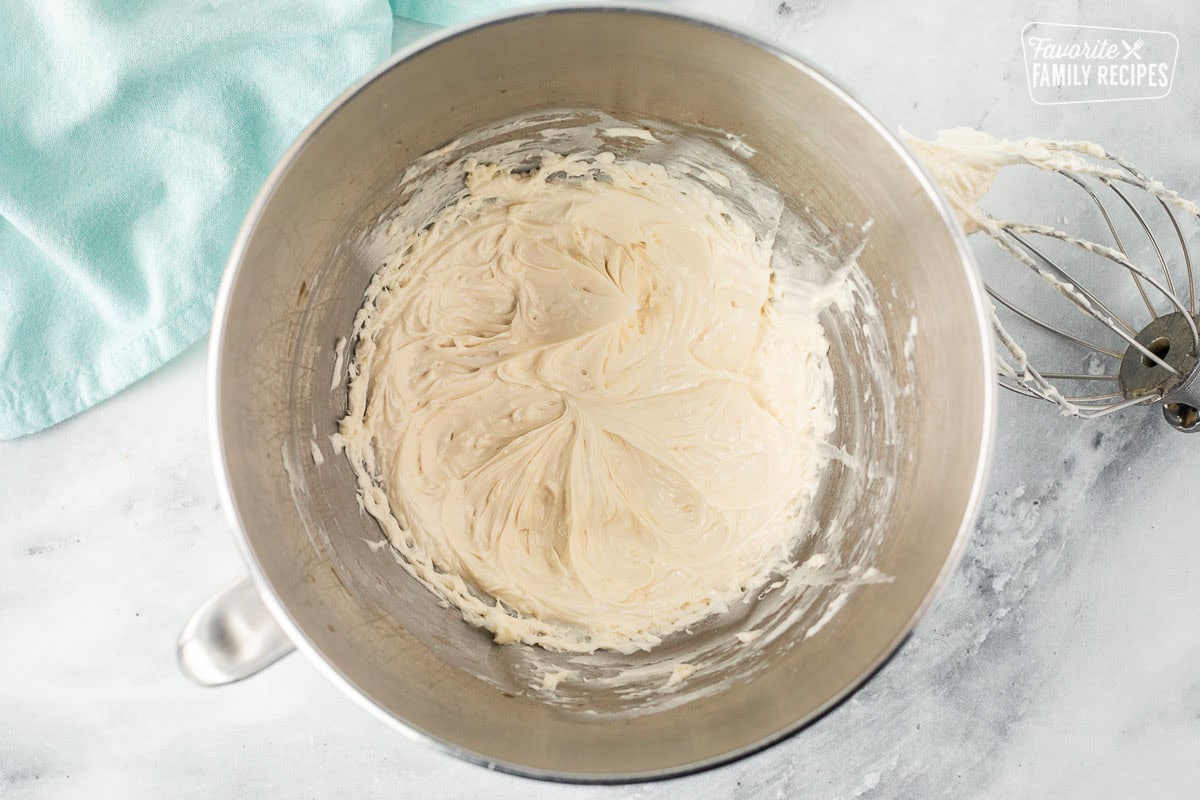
576,409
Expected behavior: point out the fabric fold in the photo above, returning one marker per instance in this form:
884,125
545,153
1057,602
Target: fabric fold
133,137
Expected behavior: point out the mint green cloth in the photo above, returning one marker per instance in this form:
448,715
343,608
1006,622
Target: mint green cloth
133,136
449,12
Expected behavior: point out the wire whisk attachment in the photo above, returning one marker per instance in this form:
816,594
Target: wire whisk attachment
1132,360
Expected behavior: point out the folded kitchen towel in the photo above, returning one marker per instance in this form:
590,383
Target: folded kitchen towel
133,136
448,12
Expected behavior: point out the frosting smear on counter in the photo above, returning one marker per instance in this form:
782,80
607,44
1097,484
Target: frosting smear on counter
577,409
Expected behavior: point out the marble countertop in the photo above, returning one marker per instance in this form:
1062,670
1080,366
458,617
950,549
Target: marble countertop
1061,661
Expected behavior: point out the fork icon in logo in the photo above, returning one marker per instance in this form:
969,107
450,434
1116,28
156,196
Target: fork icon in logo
1132,49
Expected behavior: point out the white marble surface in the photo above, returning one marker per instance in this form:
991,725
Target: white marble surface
1063,661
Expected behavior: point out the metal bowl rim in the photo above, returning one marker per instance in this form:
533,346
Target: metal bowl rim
325,665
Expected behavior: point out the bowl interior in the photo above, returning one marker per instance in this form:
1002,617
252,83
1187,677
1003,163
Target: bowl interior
914,398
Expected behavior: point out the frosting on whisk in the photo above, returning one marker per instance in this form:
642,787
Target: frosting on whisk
965,163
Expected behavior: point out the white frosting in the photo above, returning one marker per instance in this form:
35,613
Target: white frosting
339,354
576,408
629,133
835,605
679,673
965,162
551,680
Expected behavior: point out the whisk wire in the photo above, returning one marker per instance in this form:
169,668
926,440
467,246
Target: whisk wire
1119,258
1073,291
1063,275
1149,234
1144,376
1065,376
1047,326
1074,296
1112,228
1187,257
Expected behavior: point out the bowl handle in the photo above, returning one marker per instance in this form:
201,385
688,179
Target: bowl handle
231,637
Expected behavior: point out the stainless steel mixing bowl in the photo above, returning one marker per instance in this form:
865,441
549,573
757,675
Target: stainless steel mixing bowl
296,278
